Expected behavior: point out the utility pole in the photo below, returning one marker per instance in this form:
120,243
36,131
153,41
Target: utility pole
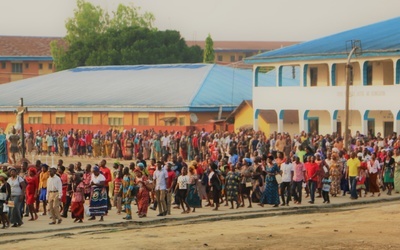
355,49
20,111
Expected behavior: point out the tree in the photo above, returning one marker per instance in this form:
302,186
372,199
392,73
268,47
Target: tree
209,55
94,38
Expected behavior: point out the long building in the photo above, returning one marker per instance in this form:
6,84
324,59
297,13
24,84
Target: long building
318,99
172,97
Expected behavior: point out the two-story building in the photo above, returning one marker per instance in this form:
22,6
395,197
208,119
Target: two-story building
319,98
23,57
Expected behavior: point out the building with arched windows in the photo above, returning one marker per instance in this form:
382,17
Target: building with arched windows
317,102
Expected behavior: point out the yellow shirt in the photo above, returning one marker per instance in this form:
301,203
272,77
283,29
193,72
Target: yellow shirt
353,165
43,179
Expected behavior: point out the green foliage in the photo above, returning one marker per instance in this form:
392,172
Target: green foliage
128,38
209,55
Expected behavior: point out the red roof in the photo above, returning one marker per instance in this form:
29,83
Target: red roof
244,45
26,45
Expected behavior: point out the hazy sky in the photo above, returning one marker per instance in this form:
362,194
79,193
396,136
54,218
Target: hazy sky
257,20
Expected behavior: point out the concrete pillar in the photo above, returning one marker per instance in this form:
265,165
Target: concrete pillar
334,114
280,114
303,120
255,123
364,122
396,121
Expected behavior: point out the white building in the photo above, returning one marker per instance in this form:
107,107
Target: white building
318,99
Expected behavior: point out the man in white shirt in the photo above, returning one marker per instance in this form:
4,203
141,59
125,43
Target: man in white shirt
287,176
165,141
160,177
54,194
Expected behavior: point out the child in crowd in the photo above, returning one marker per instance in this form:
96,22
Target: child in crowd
326,187
361,183
117,193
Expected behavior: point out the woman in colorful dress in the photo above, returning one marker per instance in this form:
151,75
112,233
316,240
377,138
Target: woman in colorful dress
127,187
373,171
32,185
270,194
96,146
388,172
98,197
193,198
78,199
128,147
143,195
232,181
335,175
5,195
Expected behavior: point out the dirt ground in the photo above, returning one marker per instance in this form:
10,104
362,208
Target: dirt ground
373,226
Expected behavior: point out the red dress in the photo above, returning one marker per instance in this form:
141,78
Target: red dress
31,189
64,180
143,197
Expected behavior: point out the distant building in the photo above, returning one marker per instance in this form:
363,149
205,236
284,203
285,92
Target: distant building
23,57
229,52
160,97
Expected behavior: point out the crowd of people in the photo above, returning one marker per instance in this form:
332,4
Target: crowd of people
182,169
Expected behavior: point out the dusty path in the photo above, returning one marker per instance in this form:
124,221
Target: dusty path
367,226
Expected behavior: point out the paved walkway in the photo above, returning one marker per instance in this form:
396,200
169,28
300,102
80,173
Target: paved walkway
114,220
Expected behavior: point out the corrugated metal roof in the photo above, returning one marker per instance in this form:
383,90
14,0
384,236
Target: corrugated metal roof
382,37
172,87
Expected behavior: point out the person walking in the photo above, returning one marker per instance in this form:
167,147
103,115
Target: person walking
270,194
5,194
160,178
98,197
54,195
299,177
312,171
18,186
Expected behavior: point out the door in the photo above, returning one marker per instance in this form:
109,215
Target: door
387,128
339,128
371,127
313,125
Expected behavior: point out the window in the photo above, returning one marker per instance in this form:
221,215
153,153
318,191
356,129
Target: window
16,67
50,66
115,121
60,120
35,120
240,58
369,74
181,121
143,121
26,65
40,65
313,76
3,65
84,120
233,58
220,58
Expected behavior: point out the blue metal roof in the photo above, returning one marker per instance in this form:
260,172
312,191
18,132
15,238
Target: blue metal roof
382,38
163,88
